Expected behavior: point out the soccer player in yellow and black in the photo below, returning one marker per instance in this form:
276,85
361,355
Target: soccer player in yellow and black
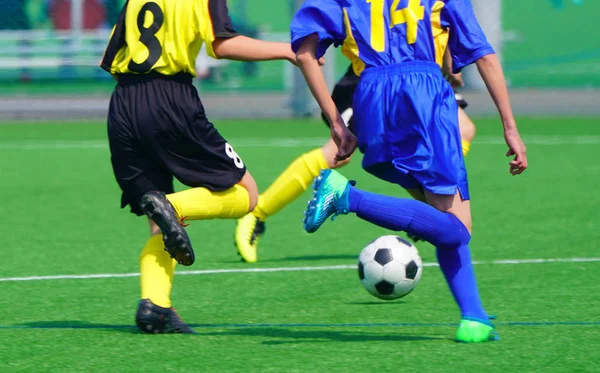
299,175
158,130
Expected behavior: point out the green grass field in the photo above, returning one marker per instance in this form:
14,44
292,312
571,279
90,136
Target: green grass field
61,216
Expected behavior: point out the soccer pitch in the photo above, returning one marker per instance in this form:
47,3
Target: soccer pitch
69,284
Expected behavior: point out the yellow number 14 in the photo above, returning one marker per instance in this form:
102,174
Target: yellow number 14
410,15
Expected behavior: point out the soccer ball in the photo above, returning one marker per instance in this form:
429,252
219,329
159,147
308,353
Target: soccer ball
390,267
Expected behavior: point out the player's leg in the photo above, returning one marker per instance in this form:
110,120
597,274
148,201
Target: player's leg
155,313
457,267
467,134
291,183
222,188
440,172
296,178
138,175
201,203
286,188
334,195
157,268
467,130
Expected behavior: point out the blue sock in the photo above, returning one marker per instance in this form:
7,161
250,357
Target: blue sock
415,217
445,231
458,270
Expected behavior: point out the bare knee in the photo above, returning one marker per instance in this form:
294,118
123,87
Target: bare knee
329,152
466,125
249,184
454,205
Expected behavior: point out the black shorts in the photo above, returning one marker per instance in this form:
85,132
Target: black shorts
157,130
343,96
460,100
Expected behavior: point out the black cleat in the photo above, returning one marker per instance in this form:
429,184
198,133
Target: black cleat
177,242
153,319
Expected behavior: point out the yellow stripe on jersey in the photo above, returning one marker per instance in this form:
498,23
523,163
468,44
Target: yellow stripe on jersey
440,36
350,48
165,36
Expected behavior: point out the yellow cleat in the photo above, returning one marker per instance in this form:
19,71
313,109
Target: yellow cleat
247,232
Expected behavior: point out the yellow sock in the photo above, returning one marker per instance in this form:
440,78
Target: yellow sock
466,147
290,184
156,269
201,203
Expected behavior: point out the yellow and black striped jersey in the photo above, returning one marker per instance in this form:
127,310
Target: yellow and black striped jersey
165,36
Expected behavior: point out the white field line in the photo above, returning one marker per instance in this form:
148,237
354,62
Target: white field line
285,269
288,142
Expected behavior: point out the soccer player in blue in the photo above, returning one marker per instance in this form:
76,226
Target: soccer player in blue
406,125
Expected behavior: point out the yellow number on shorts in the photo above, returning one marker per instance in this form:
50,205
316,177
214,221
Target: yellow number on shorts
410,15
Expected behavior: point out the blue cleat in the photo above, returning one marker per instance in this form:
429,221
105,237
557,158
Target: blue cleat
331,197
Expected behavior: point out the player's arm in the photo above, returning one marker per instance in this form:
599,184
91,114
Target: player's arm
468,45
315,27
308,62
223,41
242,48
455,80
491,72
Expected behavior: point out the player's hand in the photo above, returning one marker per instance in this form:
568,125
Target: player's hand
455,80
344,139
516,148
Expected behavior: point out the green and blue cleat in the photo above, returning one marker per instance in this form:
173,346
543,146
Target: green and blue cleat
473,331
331,192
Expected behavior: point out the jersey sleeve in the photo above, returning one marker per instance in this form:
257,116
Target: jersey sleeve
216,24
467,41
116,41
322,17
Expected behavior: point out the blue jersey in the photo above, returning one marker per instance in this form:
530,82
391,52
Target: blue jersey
406,117
386,32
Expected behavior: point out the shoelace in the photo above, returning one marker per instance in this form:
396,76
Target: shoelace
343,211
258,230
182,221
338,213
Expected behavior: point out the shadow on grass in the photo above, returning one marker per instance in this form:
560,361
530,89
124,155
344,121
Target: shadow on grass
313,258
285,335
68,324
280,334
378,303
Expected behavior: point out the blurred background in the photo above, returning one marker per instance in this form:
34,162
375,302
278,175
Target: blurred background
50,50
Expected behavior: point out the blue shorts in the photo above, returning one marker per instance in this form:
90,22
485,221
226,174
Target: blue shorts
406,121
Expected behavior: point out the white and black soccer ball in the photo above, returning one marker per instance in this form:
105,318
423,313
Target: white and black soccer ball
390,267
